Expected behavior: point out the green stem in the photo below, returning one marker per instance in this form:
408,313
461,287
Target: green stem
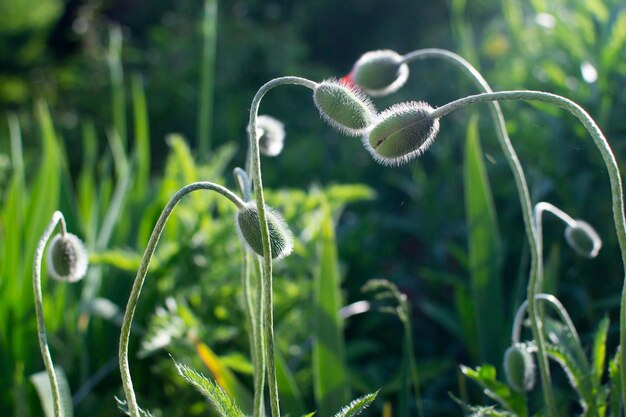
255,173
57,217
587,388
524,198
127,382
614,177
259,337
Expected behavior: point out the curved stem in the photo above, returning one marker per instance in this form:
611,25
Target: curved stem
57,217
611,166
255,173
127,382
524,198
587,389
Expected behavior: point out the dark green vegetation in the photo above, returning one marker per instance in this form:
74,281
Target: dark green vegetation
100,156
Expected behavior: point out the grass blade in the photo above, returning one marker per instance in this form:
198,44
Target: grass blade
42,385
142,138
484,251
207,77
329,363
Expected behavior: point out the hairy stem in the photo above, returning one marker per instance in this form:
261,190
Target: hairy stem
255,173
127,382
522,191
614,177
57,217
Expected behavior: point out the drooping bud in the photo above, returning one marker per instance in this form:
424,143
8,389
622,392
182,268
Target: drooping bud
402,132
344,107
583,239
519,368
249,229
67,258
270,134
380,72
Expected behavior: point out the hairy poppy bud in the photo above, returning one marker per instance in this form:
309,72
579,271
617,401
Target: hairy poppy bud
67,258
249,228
343,107
583,239
401,133
271,135
380,72
519,368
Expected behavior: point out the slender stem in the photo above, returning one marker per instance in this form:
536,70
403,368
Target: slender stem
57,217
127,382
255,173
611,166
524,198
587,388
544,206
259,337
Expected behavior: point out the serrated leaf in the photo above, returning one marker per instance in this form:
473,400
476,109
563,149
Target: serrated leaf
357,406
44,390
485,376
222,402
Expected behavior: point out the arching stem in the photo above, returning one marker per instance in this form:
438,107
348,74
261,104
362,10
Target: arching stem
614,177
521,185
57,218
127,382
255,174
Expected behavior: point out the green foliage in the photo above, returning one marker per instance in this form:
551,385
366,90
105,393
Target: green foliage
41,381
357,406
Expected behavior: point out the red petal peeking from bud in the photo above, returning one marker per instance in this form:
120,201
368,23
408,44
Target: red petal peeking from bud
348,80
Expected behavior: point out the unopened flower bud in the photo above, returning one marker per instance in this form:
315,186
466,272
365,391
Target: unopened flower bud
67,258
270,134
380,72
343,107
249,228
583,239
401,133
519,368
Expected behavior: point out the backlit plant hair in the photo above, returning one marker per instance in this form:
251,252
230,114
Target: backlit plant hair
379,72
271,133
67,262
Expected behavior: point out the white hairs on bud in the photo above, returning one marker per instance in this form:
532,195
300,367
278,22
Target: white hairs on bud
385,56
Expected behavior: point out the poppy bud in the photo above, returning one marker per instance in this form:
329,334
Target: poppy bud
345,108
271,135
67,258
380,72
583,239
249,228
401,133
519,368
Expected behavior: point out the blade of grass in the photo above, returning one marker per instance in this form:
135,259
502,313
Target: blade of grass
118,95
291,400
329,363
207,77
484,251
142,138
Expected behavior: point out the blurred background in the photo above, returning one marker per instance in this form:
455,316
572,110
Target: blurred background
108,107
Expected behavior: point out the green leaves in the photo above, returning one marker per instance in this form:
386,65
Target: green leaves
222,403
42,385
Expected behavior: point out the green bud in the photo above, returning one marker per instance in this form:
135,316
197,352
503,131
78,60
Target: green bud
345,108
249,228
519,368
380,72
401,133
270,134
583,239
67,258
